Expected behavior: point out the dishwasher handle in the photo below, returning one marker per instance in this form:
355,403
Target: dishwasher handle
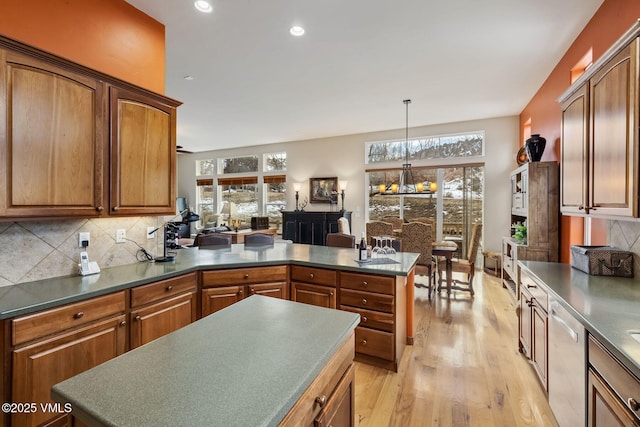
554,314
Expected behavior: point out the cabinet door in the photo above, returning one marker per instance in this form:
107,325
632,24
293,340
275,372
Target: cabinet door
322,296
604,408
52,140
143,154
525,326
613,172
539,343
159,319
340,408
276,290
574,158
215,299
37,367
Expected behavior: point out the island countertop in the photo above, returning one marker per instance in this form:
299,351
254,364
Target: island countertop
26,298
608,307
246,365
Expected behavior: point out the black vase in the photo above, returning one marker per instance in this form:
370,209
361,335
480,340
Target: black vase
535,147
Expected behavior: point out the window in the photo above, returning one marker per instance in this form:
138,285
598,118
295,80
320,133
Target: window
243,194
275,162
205,200
239,164
205,167
438,147
276,200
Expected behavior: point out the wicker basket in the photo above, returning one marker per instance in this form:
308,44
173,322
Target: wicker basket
602,260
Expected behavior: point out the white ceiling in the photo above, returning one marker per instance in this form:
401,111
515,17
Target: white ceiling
254,83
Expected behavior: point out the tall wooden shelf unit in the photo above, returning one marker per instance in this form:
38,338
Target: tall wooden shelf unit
534,203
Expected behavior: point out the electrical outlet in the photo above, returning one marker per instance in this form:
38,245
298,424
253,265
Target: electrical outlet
83,236
152,235
121,234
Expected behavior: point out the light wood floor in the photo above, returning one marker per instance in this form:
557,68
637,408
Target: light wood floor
464,368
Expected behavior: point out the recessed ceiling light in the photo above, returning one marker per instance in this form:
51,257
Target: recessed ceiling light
296,31
188,77
203,6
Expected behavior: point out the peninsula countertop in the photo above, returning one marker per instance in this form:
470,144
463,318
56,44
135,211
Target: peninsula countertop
26,298
246,365
608,307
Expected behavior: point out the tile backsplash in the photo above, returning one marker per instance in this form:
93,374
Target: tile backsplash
35,250
626,235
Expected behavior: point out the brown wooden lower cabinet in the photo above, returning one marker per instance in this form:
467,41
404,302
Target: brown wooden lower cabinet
533,325
41,364
340,409
322,296
217,298
159,319
613,395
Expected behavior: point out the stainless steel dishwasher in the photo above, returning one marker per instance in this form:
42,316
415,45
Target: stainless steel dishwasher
566,363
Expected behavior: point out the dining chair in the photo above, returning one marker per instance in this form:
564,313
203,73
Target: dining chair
378,228
395,221
425,220
341,240
417,237
259,239
343,225
462,265
212,239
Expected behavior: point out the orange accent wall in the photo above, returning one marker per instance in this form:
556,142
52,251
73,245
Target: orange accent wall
605,27
110,36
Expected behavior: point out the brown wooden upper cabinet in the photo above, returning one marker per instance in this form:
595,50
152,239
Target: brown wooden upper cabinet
52,139
599,154
77,143
143,147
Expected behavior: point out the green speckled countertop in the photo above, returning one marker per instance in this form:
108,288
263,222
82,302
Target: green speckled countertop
245,365
608,307
30,297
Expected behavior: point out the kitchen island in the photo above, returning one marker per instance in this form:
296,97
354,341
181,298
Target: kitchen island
246,365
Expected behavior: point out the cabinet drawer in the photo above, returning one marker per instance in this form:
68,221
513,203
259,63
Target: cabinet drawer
536,290
367,282
238,276
367,300
623,383
374,343
373,319
163,289
38,325
314,275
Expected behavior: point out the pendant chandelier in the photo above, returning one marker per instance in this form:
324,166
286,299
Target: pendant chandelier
407,184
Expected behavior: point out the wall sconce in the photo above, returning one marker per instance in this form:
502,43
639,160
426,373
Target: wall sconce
433,187
342,185
296,188
420,187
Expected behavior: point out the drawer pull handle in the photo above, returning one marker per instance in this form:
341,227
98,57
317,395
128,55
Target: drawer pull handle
169,288
116,208
364,342
246,276
331,293
364,284
633,404
364,301
253,291
240,292
531,286
78,315
310,275
138,318
321,400
100,208
123,323
364,319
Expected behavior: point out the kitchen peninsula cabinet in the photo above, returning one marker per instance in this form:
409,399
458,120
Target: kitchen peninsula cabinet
600,135
315,286
222,288
57,344
162,307
72,140
532,327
